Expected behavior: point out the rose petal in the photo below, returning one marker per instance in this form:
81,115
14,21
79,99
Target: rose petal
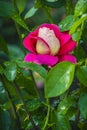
65,37
30,41
47,59
30,58
50,26
68,47
51,39
41,59
53,27
67,57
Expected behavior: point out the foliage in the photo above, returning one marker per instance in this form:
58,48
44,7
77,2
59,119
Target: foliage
34,97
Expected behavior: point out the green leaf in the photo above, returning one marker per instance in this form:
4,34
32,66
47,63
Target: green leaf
9,86
3,96
77,23
5,120
65,104
10,71
27,85
56,4
83,104
59,79
81,73
30,13
33,104
3,45
34,67
21,22
21,5
76,36
6,9
79,52
66,23
60,122
1,70
80,7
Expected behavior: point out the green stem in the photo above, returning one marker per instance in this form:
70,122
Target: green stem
75,127
25,107
19,33
69,7
12,103
47,117
21,40
47,10
37,90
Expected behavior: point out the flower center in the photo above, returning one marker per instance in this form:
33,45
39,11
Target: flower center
53,44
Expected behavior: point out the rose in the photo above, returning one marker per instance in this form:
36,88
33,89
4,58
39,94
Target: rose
49,46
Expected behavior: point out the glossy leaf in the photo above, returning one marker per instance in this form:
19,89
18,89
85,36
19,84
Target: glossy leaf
34,67
60,122
5,120
83,104
21,5
65,104
21,22
59,79
30,13
77,24
76,36
80,7
3,45
34,104
27,85
3,96
82,74
66,23
9,86
6,9
10,71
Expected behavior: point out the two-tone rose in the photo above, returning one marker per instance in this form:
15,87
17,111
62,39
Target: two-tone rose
49,46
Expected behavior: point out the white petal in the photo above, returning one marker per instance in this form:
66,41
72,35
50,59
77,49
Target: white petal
52,41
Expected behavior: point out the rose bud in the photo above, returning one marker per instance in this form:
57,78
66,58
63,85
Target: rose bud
49,46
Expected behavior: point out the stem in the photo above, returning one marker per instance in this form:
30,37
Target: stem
25,107
47,117
12,103
69,7
18,30
14,110
77,116
37,90
49,14
19,33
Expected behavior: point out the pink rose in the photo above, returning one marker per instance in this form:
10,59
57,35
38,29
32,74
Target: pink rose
49,46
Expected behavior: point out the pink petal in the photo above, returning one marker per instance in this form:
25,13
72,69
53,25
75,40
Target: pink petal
30,58
30,41
47,59
68,47
67,57
64,38
41,59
